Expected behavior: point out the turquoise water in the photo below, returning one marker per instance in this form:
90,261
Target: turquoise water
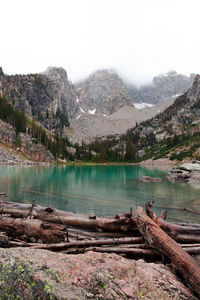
102,190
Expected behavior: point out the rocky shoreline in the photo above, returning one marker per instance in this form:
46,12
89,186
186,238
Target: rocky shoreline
9,158
188,172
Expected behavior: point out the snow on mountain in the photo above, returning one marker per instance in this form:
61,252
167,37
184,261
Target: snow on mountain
142,105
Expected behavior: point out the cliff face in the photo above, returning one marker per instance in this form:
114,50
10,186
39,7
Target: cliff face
21,144
163,87
39,93
103,93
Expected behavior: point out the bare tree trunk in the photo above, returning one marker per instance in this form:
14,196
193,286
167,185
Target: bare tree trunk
160,241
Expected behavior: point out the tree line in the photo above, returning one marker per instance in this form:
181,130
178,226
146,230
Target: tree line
22,123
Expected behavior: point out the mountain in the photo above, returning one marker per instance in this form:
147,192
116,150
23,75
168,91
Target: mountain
174,133
99,106
106,108
162,88
47,97
103,92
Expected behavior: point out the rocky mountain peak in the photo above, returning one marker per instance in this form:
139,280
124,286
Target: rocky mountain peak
55,72
104,92
162,88
41,95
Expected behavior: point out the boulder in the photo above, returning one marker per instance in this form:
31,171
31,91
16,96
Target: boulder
141,153
40,274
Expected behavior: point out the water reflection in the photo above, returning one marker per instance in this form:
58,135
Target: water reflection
103,190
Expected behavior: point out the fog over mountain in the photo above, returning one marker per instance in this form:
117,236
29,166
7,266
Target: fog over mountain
139,39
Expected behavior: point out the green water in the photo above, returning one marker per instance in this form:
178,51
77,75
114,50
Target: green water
102,190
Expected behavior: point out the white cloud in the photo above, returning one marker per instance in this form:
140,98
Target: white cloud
138,38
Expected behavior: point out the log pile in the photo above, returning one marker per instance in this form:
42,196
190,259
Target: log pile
139,235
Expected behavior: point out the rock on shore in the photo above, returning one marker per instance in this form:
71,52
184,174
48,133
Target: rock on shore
40,274
186,173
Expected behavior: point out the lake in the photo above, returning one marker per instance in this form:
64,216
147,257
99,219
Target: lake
101,190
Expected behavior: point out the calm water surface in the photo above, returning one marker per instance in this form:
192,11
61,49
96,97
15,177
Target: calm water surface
102,190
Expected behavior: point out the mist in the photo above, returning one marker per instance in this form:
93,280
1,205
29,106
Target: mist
139,39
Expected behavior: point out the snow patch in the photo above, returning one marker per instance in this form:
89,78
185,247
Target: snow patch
78,117
77,100
142,105
104,115
81,110
92,112
175,96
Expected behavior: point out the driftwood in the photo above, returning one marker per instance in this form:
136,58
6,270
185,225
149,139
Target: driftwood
33,230
63,246
159,240
123,223
118,224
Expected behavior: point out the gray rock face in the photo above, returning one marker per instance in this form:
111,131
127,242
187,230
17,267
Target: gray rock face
37,93
163,87
104,92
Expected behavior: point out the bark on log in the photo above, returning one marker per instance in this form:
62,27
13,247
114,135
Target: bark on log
33,229
177,229
186,238
68,218
132,253
123,224
63,246
180,259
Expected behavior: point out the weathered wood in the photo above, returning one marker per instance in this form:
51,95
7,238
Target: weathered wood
123,224
177,229
132,253
33,230
192,250
160,241
68,218
163,214
186,238
88,243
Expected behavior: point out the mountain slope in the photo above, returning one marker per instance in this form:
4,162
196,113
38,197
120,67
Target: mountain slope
175,132
163,87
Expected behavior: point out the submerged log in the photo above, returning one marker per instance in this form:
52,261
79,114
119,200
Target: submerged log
180,259
33,230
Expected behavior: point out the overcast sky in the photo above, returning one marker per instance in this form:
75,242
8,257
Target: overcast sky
138,38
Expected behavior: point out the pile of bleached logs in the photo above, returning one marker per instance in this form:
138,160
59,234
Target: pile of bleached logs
141,235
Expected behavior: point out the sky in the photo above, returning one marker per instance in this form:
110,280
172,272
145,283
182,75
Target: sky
138,38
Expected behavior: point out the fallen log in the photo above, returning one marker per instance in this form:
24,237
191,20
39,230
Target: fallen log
68,218
186,238
132,253
123,224
63,246
159,240
172,228
139,252
33,230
